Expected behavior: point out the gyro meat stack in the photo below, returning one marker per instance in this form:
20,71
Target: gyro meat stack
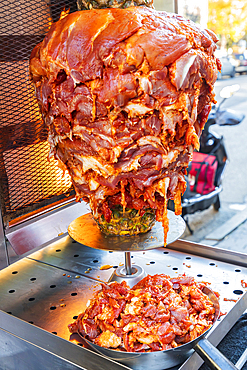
125,94
157,314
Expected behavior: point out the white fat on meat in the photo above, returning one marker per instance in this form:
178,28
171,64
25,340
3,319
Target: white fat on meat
147,339
191,150
136,303
194,106
117,150
133,308
91,163
145,84
130,326
136,109
146,140
105,138
108,20
106,170
99,195
131,165
170,157
93,185
181,104
78,177
108,339
52,151
180,68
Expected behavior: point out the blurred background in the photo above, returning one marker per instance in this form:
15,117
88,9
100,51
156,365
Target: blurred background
228,19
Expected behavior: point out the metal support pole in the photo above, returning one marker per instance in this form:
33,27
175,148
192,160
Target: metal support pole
128,263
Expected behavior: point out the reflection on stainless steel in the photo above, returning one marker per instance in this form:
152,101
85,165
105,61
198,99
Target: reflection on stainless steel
85,231
128,263
28,347
120,274
52,285
30,235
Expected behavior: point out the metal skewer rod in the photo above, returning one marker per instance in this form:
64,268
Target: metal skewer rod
128,263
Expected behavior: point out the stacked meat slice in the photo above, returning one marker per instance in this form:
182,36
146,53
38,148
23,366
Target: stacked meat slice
125,94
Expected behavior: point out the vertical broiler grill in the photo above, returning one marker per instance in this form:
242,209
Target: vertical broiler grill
28,182
43,291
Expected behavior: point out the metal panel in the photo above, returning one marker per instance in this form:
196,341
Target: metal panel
50,288
34,233
210,252
28,347
44,295
79,259
225,277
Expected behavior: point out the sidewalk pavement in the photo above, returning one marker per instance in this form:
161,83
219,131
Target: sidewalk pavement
226,229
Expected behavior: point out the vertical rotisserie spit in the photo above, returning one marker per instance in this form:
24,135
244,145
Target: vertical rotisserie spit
125,94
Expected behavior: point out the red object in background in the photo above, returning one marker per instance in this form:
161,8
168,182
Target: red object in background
202,173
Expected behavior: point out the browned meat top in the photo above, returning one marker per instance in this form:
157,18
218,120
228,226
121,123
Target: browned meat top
84,42
125,94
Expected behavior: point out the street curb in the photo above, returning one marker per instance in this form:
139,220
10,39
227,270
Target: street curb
229,226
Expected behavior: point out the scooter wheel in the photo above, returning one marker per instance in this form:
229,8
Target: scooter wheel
217,203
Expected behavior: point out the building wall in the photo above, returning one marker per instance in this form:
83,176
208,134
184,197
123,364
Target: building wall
167,5
195,10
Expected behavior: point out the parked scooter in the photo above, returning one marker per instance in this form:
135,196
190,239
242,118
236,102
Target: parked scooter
205,172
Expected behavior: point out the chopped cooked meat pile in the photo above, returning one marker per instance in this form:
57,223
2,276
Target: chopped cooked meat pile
157,314
125,94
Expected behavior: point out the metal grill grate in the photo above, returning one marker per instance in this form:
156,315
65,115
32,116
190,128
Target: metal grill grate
27,179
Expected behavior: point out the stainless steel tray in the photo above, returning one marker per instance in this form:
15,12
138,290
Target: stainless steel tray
42,293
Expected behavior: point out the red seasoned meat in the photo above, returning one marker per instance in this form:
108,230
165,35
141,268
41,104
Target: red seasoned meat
125,94
158,313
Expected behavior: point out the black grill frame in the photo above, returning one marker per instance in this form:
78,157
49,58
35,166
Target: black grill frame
23,135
